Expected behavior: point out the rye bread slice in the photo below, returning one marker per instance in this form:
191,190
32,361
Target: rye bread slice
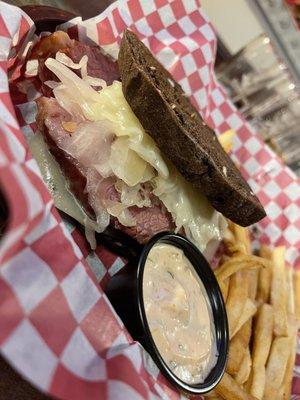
168,116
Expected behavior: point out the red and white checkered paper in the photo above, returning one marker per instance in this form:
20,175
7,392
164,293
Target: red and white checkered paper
57,327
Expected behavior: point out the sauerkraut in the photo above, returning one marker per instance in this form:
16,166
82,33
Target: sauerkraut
134,157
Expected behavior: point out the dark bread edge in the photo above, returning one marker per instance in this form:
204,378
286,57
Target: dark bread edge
231,196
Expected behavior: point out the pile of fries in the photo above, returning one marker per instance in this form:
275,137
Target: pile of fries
262,297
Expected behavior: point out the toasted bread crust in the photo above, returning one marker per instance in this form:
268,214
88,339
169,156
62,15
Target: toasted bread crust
168,116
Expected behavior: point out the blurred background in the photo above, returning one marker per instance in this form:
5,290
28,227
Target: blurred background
258,62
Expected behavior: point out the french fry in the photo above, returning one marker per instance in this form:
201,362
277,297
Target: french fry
248,383
262,339
236,299
258,382
263,332
224,286
288,377
215,397
290,298
265,251
243,374
226,140
244,334
238,347
264,277
276,367
228,236
248,284
242,235
297,293
239,263
212,395
252,283
264,285
235,355
278,292
229,389
234,248
248,311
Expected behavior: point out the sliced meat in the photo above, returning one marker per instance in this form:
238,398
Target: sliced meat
99,65
73,172
149,221
46,75
82,149
49,109
46,47
88,142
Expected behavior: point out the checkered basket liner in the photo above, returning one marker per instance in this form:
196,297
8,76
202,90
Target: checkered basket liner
57,327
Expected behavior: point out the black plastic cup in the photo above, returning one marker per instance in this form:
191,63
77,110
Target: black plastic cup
125,292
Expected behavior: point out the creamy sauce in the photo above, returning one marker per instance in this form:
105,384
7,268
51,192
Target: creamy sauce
179,314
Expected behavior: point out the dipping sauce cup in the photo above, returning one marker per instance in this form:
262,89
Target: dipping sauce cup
127,290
